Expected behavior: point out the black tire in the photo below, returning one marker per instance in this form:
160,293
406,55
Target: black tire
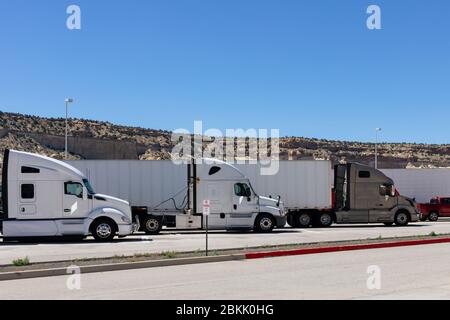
103,230
433,216
324,220
388,224
402,219
264,223
303,220
151,225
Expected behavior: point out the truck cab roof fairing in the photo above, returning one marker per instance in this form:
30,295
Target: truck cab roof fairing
376,176
226,172
47,165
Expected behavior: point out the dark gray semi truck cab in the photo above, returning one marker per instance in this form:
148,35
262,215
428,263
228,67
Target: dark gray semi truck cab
366,195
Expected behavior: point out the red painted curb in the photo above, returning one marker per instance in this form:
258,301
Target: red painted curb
271,254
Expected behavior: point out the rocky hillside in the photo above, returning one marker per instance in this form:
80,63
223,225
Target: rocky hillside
21,132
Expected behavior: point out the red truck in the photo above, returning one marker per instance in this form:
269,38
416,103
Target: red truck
438,207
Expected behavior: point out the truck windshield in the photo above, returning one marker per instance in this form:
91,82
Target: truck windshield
251,187
88,186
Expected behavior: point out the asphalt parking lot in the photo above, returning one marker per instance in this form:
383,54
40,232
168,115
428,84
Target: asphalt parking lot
297,277
195,240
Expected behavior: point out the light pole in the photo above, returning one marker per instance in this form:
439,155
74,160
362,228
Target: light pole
376,146
67,101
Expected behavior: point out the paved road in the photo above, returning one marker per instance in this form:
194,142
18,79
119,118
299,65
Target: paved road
420,272
191,241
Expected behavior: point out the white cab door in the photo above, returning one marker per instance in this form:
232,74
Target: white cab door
75,202
27,200
245,206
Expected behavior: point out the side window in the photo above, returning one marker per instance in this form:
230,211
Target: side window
27,191
364,174
446,201
73,189
242,190
383,190
387,190
29,170
214,170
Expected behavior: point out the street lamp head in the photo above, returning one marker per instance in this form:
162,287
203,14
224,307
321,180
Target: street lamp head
378,129
69,100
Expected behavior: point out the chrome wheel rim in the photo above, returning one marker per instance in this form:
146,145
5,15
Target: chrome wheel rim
433,216
265,223
104,230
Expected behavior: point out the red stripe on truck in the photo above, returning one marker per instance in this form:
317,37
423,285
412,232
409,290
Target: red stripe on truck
272,254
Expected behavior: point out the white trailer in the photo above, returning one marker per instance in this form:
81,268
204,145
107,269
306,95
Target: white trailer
421,184
165,193
304,184
44,197
301,184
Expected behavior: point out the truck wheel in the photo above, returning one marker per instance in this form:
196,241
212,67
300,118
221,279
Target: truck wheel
104,230
264,223
303,220
151,225
325,220
434,216
402,219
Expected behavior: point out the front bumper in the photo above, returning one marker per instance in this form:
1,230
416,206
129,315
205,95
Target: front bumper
126,229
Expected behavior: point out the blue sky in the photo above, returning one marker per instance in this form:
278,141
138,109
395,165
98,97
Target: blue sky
308,67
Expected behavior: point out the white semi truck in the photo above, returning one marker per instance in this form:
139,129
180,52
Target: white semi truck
44,197
312,193
163,193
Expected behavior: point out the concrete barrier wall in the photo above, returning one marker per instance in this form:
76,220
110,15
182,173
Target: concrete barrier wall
90,148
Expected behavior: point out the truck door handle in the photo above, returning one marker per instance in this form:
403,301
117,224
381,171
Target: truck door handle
66,210
235,206
23,209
